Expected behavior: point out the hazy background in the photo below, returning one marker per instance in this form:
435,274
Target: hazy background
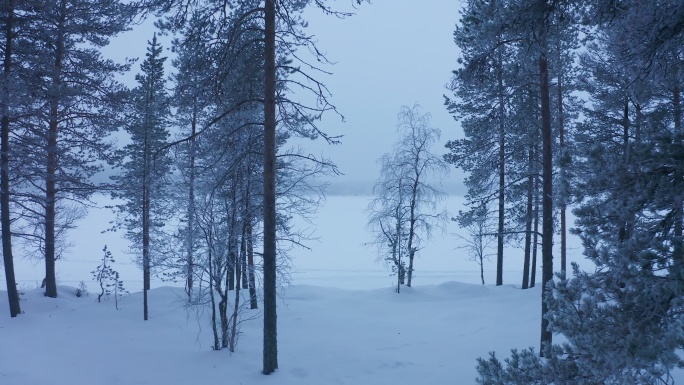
390,53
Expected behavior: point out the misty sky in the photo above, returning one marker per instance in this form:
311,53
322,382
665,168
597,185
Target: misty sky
391,53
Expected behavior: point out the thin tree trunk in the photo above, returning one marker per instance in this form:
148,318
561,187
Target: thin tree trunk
678,252
212,296
502,173
547,196
535,233
481,248
146,210
528,220
412,228
270,358
563,182
223,312
191,207
253,303
236,307
12,293
232,241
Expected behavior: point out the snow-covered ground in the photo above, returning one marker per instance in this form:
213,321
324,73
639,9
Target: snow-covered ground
339,323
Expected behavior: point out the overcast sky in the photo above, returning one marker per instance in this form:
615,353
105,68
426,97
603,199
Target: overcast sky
391,53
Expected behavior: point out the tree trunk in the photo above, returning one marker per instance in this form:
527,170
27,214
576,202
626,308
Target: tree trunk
396,248
223,315
191,208
412,228
547,196
236,307
678,252
535,233
146,212
232,240
12,293
563,160
253,303
270,359
528,220
502,174
52,159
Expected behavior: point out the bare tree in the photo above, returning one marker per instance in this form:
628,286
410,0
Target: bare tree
404,212
480,237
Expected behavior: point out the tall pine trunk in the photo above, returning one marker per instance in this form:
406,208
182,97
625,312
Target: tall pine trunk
52,159
270,348
547,194
562,201
12,293
502,172
146,209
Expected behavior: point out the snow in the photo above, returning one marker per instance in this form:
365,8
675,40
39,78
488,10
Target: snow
339,323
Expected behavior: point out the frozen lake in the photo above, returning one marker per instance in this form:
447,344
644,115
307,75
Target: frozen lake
340,257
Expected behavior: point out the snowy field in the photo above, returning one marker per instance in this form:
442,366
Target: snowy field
339,322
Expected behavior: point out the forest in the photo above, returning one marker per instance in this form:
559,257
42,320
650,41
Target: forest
564,108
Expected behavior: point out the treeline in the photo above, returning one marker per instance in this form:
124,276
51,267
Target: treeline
577,104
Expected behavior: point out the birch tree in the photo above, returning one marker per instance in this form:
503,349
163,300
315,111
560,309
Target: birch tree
406,191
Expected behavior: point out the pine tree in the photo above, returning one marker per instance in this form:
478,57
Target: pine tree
108,279
480,103
621,322
8,81
75,101
143,180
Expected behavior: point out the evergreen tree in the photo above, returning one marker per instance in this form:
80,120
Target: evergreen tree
8,81
622,322
75,102
143,180
108,279
480,103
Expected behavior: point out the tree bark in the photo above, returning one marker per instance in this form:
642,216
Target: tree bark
412,227
678,252
253,303
191,207
547,195
8,259
502,173
146,208
270,348
52,159
535,233
232,240
563,182
528,220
